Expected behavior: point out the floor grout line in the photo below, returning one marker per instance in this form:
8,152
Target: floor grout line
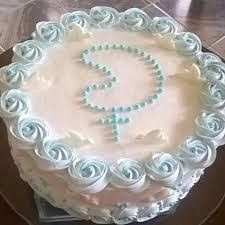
2,49
214,43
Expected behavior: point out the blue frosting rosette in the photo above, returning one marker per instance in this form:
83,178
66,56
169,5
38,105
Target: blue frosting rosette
165,169
80,18
49,33
15,74
52,154
210,125
187,43
30,51
129,174
215,72
213,96
135,19
89,175
196,153
14,103
103,16
28,131
202,59
163,26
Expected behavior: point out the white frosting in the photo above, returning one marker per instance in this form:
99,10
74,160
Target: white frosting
176,100
166,171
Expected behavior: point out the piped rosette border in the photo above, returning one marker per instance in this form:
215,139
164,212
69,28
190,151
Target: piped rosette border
91,175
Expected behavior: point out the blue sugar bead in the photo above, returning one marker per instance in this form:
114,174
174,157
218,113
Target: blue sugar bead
159,90
90,63
86,51
149,101
97,108
152,61
127,120
85,101
113,109
142,53
120,120
155,96
114,46
156,66
83,60
107,46
148,57
93,48
160,83
136,50
116,133
158,72
101,121
114,79
135,107
129,49
114,115
100,47
103,108
143,104
104,69
129,108
122,46
109,85
121,109
108,73
88,89
94,86
97,66
103,86
115,126
116,138
160,78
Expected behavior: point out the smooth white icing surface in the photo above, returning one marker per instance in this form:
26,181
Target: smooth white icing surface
55,93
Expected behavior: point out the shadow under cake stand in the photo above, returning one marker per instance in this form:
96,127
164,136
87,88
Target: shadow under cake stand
199,205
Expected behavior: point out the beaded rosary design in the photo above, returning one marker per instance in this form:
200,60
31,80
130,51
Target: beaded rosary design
115,119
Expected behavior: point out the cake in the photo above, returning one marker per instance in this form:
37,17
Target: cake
113,116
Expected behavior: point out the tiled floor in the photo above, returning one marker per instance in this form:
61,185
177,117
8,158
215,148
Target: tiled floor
204,17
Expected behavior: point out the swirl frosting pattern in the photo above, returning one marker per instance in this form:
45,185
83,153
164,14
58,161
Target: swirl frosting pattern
54,154
135,19
213,96
14,103
162,26
30,130
187,43
196,153
104,16
210,125
215,72
49,32
89,174
15,74
128,173
29,52
165,169
77,17
202,59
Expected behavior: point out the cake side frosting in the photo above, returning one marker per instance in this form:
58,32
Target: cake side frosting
170,170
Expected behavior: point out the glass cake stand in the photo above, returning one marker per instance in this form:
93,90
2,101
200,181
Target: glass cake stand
202,201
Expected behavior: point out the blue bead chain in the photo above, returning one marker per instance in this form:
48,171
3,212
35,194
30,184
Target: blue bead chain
115,119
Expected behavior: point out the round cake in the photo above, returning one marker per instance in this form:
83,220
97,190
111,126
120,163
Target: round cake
113,116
